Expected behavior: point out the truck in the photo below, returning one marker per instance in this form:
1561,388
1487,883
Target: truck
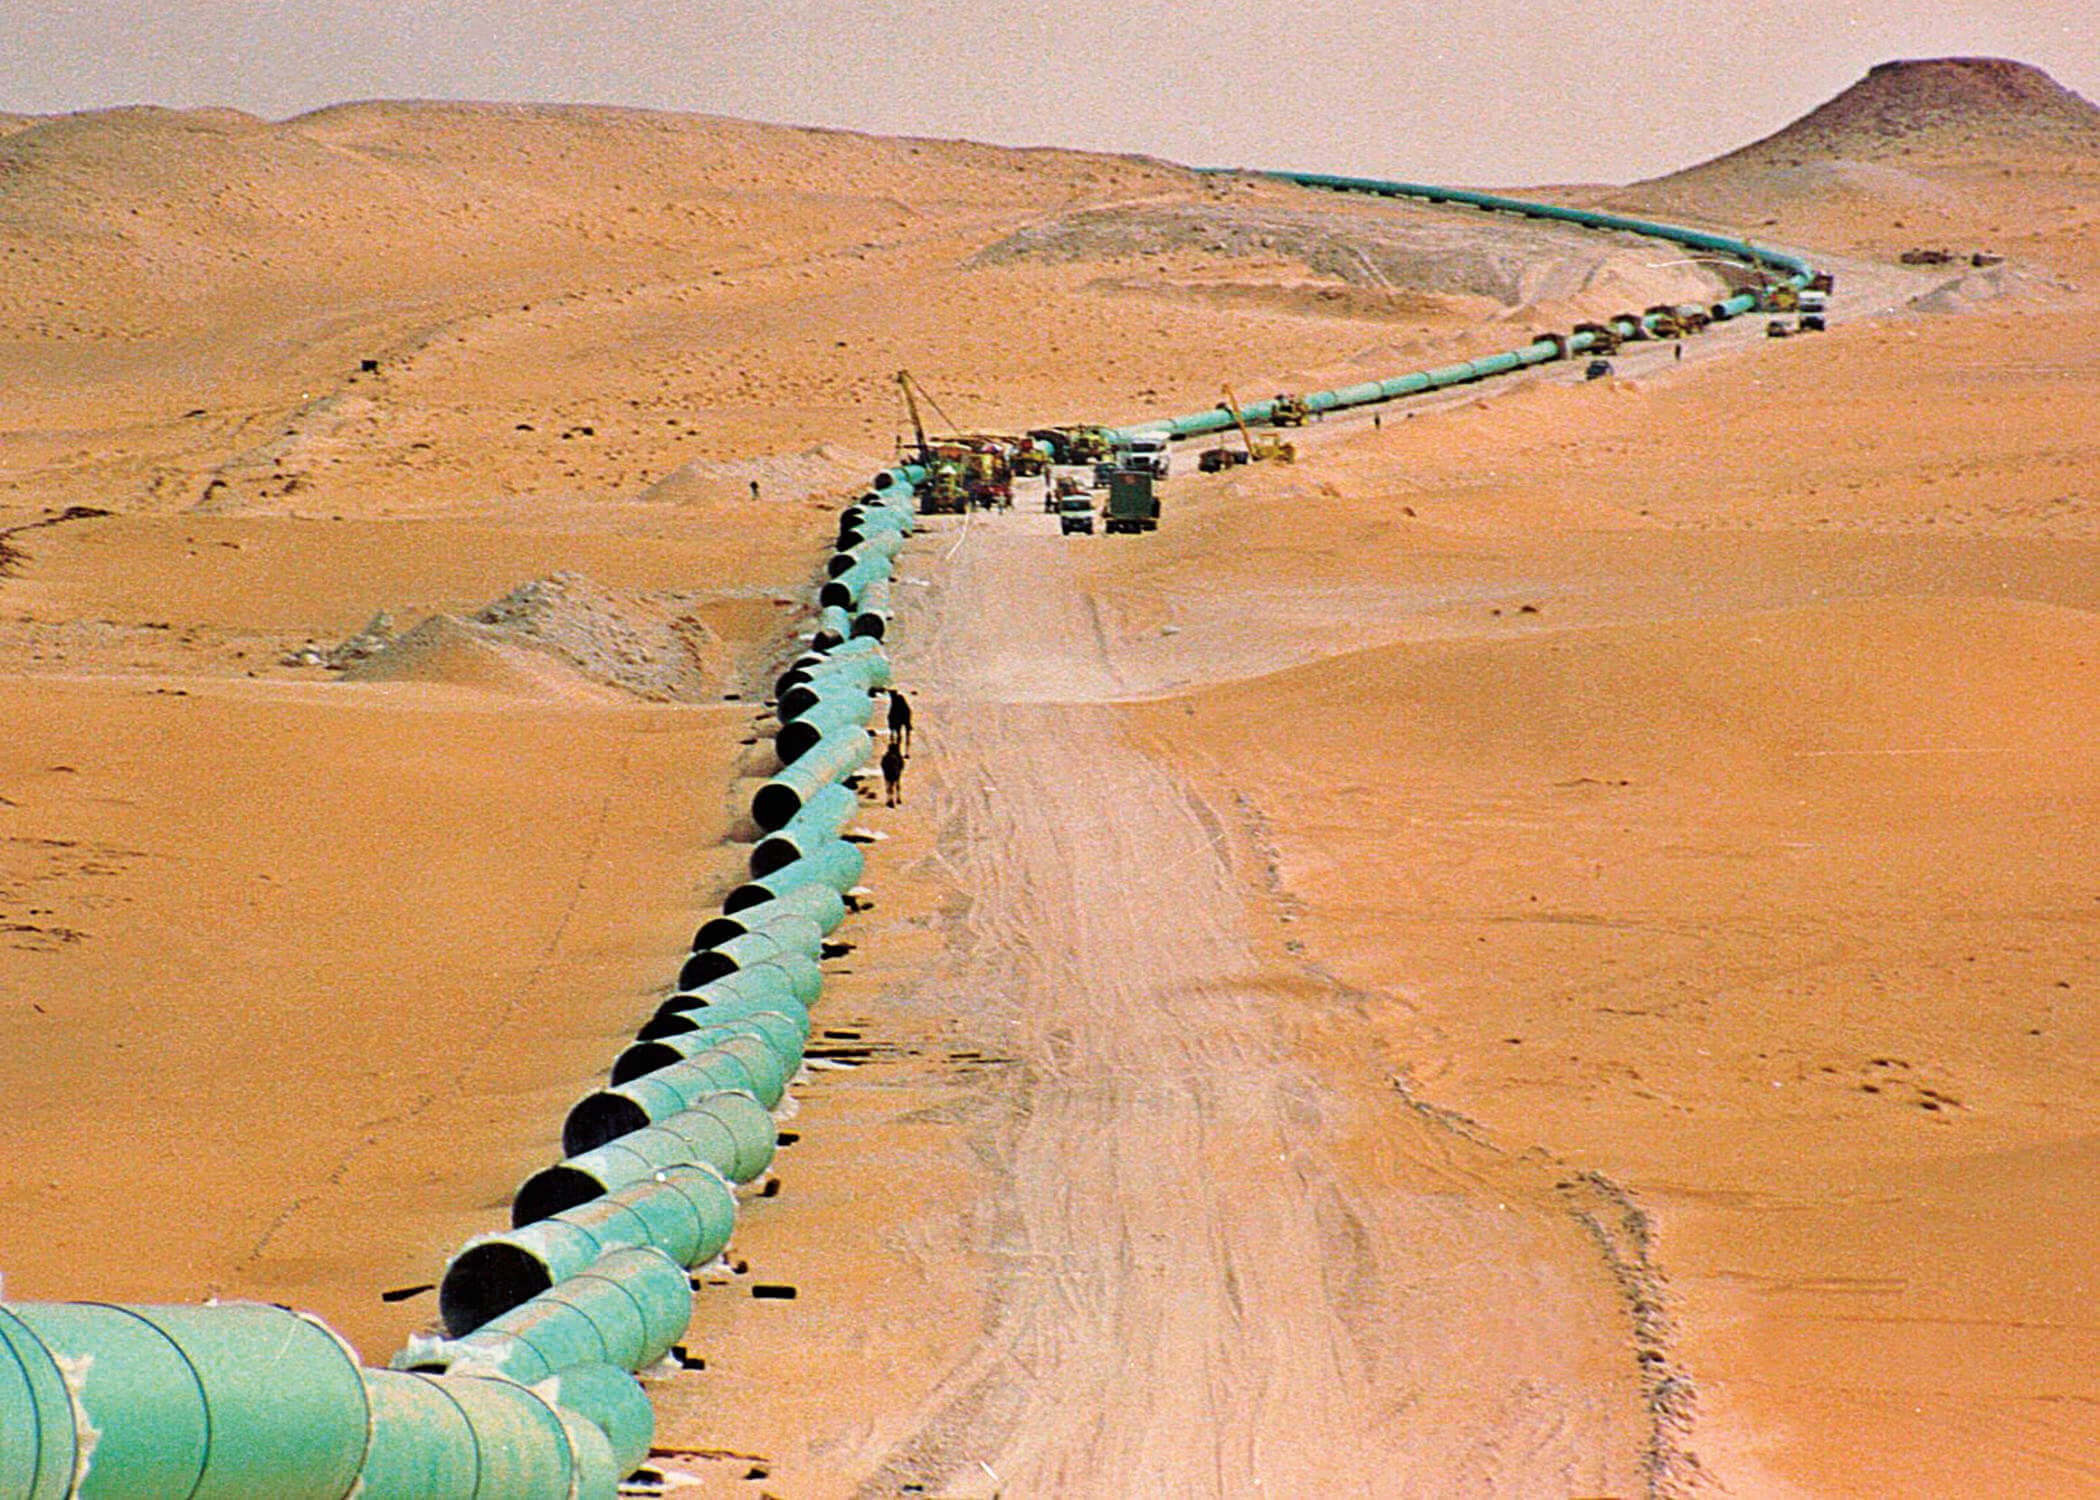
1131,503
1148,451
1075,513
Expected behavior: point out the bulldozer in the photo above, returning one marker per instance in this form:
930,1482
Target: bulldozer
1289,411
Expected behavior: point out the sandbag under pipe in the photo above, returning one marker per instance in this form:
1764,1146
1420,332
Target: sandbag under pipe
781,1032
686,1211
741,1062
224,1401
821,904
730,1132
460,1437
834,862
835,758
783,935
626,1309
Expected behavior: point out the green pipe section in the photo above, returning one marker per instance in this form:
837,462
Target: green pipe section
769,983
688,1211
610,1400
833,626
788,934
39,1438
216,1402
833,759
822,818
802,734
692,1012
821,904
626,1309
834,862
882,543
731,1132
872,620
846,685
801,837
845,590
465,1438
740,1062
856,660
777,1029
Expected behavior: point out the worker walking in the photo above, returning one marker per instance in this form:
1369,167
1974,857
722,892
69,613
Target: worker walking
900,720
892,774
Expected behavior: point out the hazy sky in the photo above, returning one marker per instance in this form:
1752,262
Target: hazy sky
1486,91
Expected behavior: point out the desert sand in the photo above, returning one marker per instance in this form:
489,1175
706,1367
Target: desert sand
1545,949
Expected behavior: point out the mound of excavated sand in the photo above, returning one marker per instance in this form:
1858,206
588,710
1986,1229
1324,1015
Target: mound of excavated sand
557,631
1398,249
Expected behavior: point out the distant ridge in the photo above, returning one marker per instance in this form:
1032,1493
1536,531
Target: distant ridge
1933,109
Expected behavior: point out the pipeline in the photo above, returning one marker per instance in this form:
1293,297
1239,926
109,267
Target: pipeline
240,1400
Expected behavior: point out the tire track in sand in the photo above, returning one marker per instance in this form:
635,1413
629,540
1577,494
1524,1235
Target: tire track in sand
1226,1258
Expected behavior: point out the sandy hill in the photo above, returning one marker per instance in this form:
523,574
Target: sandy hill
581,301
1954,154
1952,108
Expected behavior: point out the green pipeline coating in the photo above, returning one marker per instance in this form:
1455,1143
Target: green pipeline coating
209,1402
687,1211
797,737
833,626
833,759
730,1132
871,618
767,981
700,1012
779,1031
834,862
782,935
626,1309
845,590
38,1439
821,904
611,1401
741,1062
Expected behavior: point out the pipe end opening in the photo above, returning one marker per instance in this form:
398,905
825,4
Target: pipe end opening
486,1281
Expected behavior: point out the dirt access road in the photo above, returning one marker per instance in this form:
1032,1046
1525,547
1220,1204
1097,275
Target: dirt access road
1226,1254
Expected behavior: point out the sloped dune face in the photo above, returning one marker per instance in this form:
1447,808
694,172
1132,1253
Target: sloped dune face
1945,109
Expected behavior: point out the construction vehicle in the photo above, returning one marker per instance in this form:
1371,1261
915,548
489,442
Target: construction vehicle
1289,411
1597,369
1148,451
1814,312
1221,457
1131,504
1604,338
1666,320
1266,447
1076,445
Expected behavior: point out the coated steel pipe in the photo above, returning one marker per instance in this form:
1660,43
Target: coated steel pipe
833,759
688,1211
834,862
626,1309
776,1029
731,1132
740,1062
821,904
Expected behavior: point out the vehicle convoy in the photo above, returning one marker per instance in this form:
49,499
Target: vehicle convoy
968,470
1131,504
1075,513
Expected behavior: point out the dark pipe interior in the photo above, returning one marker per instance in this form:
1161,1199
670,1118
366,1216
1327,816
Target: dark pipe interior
600,1118
551,1190
485,1282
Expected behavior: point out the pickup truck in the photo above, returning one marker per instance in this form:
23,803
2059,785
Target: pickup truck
1075,513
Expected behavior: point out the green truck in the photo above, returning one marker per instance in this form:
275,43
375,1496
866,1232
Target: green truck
1131,503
